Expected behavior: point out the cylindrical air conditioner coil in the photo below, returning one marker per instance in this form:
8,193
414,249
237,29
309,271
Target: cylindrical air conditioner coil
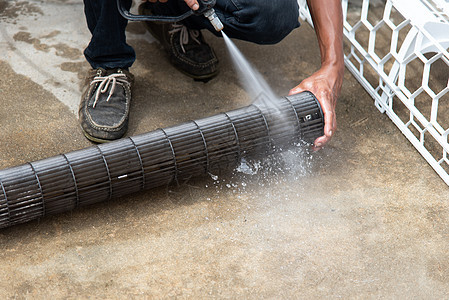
149,160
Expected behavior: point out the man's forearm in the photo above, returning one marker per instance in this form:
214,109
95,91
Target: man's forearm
327,18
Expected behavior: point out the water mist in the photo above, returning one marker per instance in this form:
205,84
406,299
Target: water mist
253,82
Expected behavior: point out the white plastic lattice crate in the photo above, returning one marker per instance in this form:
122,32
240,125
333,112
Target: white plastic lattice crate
398,51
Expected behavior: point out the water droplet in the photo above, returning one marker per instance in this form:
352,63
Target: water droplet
214,177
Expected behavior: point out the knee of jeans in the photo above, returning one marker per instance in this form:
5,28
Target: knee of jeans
269,23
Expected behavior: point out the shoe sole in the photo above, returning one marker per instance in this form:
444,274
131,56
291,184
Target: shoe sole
203,78
96,140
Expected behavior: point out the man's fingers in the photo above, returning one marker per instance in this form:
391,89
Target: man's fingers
193,4
295,90
321,141
329,120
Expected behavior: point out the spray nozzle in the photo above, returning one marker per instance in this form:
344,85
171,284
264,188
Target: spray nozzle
213,18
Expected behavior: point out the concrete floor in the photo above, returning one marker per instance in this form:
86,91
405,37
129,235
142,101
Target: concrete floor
366,217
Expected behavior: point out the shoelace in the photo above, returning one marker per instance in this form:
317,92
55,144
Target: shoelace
184,34
105,81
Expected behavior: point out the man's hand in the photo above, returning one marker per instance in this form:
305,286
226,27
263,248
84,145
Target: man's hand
193,4
326,83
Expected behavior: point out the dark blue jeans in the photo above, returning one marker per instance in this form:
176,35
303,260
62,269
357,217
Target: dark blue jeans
258,21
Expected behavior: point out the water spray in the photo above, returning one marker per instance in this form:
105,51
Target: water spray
164,156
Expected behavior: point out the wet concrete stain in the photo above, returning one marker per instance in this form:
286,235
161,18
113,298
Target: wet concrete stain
62,50
51,34
10,10
80,68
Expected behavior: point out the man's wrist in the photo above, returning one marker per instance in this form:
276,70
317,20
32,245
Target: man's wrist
337,65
